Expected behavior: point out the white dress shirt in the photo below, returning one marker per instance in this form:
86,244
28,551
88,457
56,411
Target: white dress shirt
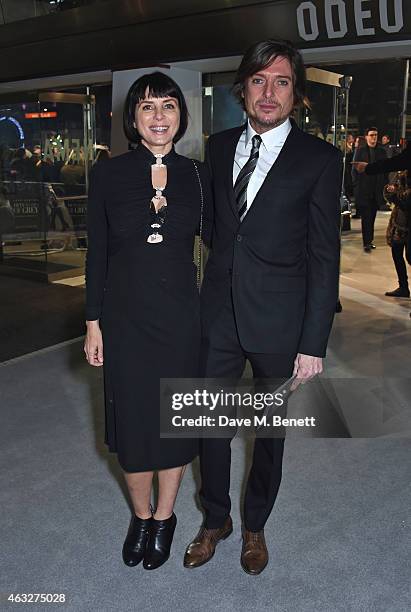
270,147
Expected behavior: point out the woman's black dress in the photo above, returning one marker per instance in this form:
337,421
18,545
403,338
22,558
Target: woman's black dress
146,298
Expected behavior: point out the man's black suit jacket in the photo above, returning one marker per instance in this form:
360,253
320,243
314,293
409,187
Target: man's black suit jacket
281,264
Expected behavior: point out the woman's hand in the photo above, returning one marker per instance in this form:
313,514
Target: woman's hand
93,344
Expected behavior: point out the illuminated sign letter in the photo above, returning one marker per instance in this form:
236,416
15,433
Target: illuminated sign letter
309,7
398,16
76,150
342,18
48,150
360,15
89,152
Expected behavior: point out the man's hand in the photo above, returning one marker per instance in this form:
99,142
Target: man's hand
360,166
305,368
93,344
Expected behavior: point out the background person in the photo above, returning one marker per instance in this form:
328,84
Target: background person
386,145
359,141
368,189
349,148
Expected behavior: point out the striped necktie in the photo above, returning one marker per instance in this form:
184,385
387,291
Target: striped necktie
241,184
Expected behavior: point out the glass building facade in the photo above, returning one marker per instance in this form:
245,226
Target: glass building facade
50,141
48,144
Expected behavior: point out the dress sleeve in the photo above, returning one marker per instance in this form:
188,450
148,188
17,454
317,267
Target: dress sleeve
96,257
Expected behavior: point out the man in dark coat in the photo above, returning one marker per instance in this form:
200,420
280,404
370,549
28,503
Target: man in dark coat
369,189
271,281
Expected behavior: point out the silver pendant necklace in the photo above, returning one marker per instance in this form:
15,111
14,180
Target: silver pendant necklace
158,203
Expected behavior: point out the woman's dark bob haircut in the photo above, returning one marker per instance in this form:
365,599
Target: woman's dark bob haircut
260,56
159,85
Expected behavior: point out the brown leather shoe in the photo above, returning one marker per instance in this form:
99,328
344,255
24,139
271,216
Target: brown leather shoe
254,554
202,548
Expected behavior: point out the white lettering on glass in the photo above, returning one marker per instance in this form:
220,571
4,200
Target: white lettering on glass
307,9
342,18
361,14
366,14
398,16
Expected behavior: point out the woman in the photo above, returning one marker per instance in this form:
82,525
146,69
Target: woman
358,143
143,302
397,234
349,154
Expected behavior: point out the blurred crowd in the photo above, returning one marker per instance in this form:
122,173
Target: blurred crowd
378,177
29,165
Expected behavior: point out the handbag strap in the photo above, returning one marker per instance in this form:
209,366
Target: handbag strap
200,240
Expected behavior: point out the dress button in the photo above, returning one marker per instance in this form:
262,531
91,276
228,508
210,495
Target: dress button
239,237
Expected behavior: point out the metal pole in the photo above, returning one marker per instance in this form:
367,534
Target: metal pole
86,137
346,97
405,99
335,114
345,83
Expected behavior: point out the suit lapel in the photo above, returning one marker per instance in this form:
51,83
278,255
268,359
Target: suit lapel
228,161
280,167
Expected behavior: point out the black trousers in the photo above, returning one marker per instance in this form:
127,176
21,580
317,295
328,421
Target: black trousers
368,214
397,250
222,356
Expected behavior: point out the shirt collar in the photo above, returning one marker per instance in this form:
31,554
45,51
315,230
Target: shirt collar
271,139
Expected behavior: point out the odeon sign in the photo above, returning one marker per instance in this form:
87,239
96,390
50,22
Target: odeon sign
365,14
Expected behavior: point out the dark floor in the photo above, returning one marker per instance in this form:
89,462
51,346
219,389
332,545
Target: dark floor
34,315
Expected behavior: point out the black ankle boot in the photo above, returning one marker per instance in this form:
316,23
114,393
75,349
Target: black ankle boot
135,543
159,542
401,292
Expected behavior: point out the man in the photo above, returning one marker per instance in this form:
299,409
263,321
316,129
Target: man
271,281
349,148
393,164
369,189
386,145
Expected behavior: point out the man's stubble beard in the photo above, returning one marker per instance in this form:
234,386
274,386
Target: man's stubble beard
268,123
